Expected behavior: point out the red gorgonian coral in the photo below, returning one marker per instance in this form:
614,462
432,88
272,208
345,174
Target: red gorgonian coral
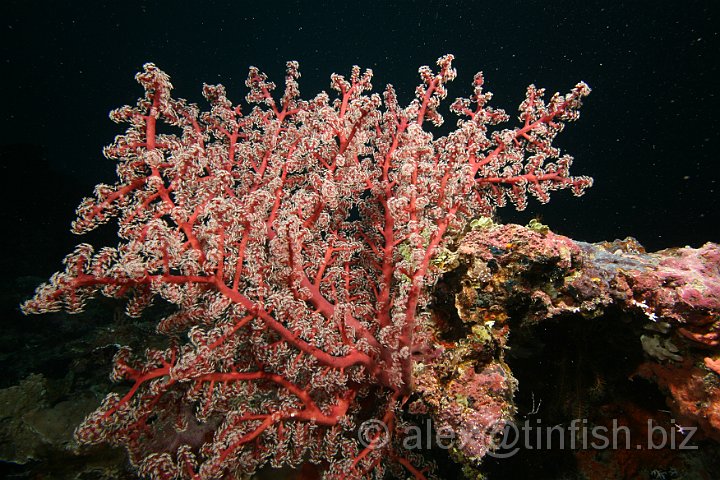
296,242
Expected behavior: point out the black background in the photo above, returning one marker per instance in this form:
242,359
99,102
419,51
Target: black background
648,132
